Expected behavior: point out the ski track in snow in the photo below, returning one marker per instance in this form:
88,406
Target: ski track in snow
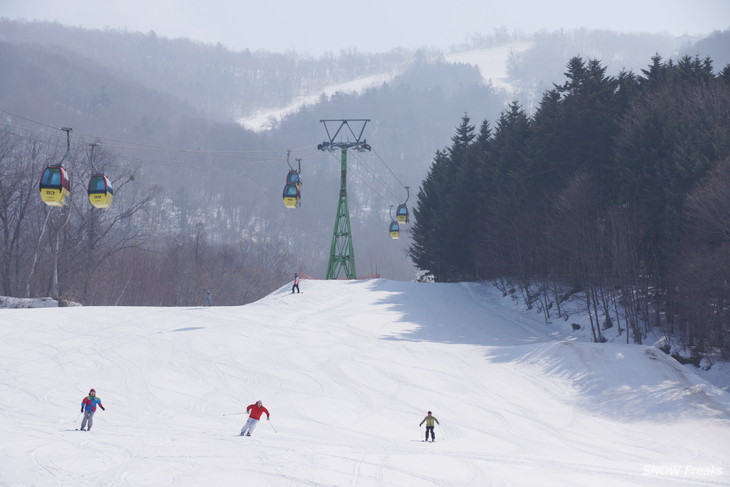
348,371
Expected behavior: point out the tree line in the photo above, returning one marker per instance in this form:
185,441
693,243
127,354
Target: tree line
615,190
220,84
140,251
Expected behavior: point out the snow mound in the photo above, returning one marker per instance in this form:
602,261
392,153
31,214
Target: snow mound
630,382
11,302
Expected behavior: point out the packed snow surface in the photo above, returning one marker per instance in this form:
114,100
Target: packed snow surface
348,369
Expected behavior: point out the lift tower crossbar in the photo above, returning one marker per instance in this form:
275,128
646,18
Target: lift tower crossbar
342,253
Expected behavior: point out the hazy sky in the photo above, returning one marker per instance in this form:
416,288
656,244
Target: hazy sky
316,26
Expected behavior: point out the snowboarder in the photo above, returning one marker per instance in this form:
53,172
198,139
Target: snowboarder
296,283
255,411
208,299
88,407
429,420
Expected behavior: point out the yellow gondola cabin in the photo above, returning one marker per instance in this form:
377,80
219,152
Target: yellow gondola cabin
394,230
100,191
291,196
401,213
55,186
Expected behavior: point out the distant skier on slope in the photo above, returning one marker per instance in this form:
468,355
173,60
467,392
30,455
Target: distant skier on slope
429,420
296,283
208,299
255,411
88,407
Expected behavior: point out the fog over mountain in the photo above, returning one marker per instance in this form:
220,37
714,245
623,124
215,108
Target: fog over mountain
318,27
211,128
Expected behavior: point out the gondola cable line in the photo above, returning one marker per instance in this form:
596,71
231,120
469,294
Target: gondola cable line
402,214
393,228
100,190
138,146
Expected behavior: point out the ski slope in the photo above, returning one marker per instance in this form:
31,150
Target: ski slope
491,62
348,370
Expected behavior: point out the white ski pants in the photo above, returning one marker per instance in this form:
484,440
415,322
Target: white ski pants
249,426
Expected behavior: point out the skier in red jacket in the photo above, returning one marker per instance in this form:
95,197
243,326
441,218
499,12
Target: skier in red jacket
255,411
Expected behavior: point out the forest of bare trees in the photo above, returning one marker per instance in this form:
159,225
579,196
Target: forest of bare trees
132,253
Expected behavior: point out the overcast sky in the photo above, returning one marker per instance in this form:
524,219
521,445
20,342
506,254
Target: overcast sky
317,26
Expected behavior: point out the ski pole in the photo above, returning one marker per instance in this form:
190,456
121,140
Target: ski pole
77,418
230,414
272,426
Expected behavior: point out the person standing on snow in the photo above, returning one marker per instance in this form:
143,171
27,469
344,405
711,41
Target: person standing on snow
88,407
208,299
255,411
296,283
429,420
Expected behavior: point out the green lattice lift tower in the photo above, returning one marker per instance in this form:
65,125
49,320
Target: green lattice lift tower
342,253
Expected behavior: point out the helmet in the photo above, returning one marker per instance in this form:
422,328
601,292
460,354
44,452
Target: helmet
92,390
258,403
429,412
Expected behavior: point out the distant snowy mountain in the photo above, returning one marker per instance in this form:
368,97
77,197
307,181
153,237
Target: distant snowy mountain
348,370
492,64
267,119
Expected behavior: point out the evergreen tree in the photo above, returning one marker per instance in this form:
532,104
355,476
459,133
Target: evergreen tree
459,198
592,192
502,235
672,136
429,213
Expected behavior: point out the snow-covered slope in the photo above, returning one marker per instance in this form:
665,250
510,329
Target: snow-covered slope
492,64
492,61
348,370
268,118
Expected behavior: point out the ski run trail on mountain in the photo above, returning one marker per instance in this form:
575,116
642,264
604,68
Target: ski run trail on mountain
348,370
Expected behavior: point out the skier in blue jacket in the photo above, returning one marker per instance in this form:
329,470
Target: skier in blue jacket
88,407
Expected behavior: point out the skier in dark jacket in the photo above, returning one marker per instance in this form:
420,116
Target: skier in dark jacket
429,420
88,407
296,283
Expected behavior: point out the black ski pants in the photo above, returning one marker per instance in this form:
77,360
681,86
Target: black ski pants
430,428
